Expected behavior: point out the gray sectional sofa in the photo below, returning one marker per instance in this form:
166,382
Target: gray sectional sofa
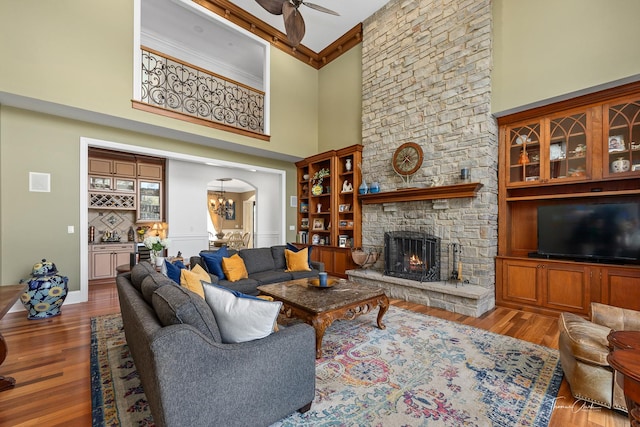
264,265
191,378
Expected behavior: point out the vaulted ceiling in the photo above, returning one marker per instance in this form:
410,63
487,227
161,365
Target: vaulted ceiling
327,36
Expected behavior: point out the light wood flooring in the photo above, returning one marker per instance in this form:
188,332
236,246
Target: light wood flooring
50,361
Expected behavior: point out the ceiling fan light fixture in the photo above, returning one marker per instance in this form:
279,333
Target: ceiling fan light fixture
293,22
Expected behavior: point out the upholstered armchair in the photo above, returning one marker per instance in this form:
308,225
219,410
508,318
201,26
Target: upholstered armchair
584,349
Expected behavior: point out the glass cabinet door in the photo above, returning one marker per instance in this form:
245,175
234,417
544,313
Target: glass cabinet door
622,147
524,153
100,183
150,201
568,147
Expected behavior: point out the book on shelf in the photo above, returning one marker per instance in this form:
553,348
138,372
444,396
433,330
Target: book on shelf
302,237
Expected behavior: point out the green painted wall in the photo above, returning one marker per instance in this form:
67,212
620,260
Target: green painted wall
34,225
340,98
80,53
548,48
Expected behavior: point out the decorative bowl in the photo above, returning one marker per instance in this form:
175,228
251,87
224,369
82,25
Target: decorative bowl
620,165
316,283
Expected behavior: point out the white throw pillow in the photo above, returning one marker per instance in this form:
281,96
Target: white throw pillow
240,317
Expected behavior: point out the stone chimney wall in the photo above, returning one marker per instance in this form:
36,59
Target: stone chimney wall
426,73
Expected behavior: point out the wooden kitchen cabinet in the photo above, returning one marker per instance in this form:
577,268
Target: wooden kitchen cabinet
104,258
148,170
106,166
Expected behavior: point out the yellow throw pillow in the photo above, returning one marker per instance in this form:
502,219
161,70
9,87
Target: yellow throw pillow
190,279
297,261
234,268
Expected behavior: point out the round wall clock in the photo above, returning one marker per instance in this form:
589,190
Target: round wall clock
407,159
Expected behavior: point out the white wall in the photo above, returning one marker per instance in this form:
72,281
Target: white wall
187,212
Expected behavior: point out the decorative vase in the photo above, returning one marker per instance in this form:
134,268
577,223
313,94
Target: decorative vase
364,188
620,165
347,165
159,261
156,258
375,187
46,291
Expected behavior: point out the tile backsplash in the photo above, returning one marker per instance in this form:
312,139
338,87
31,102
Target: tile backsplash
112,221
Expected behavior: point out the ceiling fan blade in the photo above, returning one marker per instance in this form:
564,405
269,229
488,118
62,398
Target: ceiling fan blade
272,6
320,8
293,23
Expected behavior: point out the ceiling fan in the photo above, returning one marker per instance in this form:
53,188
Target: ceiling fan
293,22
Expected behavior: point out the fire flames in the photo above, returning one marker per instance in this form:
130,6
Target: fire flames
415,263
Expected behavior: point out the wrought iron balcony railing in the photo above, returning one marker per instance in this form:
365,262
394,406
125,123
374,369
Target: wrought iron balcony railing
180,87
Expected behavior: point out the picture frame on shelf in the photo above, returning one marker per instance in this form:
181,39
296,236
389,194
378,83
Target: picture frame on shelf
616,143
318,224
344,208
342,241
304,223
315,239
304,207
635,168
342,223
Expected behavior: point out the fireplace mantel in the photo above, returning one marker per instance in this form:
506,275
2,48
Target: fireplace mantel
416,193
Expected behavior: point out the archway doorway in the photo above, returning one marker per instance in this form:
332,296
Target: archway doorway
230,207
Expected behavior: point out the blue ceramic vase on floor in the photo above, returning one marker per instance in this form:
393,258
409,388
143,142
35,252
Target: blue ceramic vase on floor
46,291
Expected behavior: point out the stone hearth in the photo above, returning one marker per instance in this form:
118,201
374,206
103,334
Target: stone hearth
470,300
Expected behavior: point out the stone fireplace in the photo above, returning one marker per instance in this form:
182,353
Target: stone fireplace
412,255
426,78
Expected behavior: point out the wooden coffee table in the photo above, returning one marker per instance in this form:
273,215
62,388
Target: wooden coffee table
320,307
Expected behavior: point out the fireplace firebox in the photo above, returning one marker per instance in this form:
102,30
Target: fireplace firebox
412,255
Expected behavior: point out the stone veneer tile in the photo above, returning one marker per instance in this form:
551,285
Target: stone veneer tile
426,70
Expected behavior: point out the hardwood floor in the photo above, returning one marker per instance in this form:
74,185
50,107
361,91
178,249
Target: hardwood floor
50,361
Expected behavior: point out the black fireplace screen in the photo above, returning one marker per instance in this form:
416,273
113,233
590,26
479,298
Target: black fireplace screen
412,255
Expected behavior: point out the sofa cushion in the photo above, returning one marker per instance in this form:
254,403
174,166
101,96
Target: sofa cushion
173,270
151,283
277,253
297,261
234,268
175,305
294,248
246,286
191,279
241,317
258,259
271,276
213,261
139,272
304,274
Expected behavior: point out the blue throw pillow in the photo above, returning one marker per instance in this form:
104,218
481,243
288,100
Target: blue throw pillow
173,270
213,260
294,248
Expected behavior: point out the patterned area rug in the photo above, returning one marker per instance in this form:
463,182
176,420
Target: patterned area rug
420,371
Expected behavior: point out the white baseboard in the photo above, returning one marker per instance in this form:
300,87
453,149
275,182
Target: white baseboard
73,297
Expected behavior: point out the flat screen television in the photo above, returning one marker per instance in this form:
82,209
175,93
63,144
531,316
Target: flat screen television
596,232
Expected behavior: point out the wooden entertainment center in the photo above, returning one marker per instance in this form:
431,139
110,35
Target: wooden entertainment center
582,150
